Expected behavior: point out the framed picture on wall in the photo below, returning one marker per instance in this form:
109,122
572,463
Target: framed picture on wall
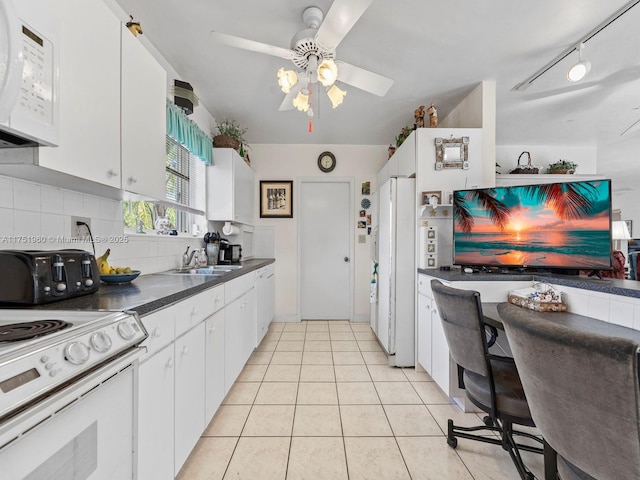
427,196
276,199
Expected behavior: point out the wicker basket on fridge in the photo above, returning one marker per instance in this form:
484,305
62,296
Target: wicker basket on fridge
525,168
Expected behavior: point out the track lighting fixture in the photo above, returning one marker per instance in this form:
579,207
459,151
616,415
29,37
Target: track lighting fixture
580,69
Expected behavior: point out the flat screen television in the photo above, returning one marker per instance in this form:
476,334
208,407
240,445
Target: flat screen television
548,226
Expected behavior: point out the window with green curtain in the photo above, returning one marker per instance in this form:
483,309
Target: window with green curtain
187,133
185,143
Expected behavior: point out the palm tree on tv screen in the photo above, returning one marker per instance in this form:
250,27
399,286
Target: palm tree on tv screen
568,200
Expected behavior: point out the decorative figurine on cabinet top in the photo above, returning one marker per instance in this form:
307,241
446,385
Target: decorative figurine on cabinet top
134,27
433,116
419,116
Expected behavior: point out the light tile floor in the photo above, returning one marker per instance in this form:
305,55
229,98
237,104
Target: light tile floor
318,401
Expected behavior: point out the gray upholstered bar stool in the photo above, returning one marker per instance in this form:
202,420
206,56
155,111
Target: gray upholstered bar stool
491,382
583,394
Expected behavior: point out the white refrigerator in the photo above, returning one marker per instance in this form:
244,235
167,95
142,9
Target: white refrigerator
396,270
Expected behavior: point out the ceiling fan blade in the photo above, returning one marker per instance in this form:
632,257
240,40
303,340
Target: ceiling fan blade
342,15
252,45
363,79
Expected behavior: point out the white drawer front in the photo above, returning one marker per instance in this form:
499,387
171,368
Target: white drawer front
161,328
195,309
238,286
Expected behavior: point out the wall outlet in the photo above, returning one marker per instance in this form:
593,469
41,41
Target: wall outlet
79,232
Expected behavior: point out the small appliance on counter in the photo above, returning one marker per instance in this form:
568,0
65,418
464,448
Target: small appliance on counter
212,244
34,277
229,252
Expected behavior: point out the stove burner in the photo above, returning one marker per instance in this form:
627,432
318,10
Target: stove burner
16,332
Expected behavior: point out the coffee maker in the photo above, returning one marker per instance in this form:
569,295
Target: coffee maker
229,252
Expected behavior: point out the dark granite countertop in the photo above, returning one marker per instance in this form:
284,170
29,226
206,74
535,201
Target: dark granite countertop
573,320
148,293
626,288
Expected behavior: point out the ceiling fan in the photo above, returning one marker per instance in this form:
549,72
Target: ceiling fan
313,52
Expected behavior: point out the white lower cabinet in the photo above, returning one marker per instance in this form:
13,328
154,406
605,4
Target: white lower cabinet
239,334
424,332
155,416
433,350
265,291
195,351
190,392
214,371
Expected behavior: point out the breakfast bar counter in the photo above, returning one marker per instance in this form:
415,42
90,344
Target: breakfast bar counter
626,288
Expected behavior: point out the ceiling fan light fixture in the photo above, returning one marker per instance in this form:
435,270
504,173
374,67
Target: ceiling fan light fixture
287,79
580,69
336,95
301,101
327,72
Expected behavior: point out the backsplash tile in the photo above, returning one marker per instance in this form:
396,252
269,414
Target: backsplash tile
26,196
52,200
38,217
6,192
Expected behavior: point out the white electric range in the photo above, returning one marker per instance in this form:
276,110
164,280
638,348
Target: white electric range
67,393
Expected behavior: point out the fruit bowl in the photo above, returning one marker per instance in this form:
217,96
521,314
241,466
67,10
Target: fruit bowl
116,278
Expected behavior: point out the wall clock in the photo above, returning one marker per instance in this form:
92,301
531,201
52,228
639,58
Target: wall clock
326,162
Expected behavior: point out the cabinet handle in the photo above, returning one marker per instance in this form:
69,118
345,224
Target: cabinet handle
113,172
185,350
169,363
217,299
157,332
133,179
212,329
194,311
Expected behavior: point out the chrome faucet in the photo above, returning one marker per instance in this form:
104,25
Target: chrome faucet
186,258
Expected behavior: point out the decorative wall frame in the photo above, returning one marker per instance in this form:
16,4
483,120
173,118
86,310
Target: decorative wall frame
426,197
452,153
276,199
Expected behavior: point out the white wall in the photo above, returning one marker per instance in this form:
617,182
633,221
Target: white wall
478,110
295,162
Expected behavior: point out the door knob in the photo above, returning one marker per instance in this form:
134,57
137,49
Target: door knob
346,259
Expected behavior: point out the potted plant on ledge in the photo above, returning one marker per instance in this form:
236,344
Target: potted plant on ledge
230,135
562,167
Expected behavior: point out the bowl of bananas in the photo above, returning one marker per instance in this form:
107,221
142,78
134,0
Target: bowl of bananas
119,277
114,275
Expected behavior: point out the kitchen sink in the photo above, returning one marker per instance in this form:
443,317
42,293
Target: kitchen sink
209,272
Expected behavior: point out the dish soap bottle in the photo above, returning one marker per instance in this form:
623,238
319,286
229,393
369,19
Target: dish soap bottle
202,258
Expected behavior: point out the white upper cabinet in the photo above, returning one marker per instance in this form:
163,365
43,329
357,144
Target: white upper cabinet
112,104
89,145
143,119
230,188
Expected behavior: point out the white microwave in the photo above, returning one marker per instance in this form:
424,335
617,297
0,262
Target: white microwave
29,73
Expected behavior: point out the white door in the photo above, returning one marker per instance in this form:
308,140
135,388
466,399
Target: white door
326,244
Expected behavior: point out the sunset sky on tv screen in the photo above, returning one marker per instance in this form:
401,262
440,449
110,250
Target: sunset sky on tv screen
555,225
